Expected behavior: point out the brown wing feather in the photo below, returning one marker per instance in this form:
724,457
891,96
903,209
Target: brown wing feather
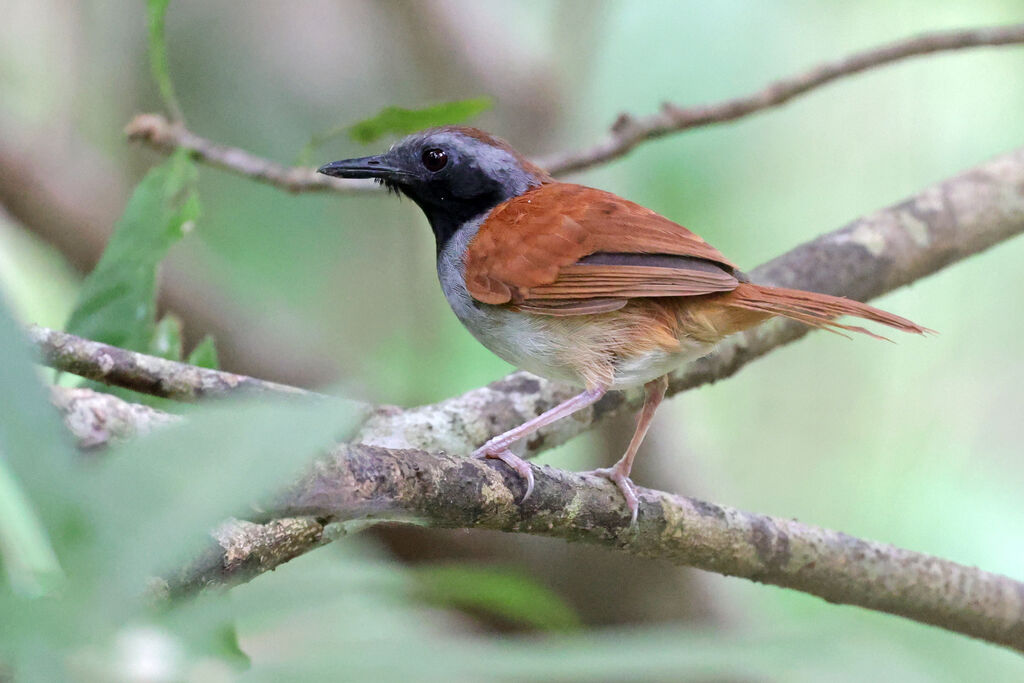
527,251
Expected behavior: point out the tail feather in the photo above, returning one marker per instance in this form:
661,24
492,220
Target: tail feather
815,310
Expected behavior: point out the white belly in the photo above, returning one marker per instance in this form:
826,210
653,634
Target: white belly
545,345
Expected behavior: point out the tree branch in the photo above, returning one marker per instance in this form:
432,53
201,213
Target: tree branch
145,374
358,482
627,132
159,133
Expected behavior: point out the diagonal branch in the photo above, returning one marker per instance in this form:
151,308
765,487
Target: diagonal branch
628,131
872,255
373,483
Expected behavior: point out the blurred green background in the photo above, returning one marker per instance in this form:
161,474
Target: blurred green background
916,444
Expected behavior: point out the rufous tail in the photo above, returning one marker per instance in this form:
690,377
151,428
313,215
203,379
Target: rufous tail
816,310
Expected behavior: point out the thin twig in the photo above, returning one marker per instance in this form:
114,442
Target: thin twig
159,133
628,131
374,483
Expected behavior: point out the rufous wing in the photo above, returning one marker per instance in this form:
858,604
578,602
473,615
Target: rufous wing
565,249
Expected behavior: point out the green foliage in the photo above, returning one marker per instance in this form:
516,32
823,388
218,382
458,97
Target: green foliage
146,508
27,554
399,121
502,592
117,303
205,354
157,12
166,341
396,120
31,564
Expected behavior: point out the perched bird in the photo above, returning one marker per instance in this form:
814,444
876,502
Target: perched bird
576,284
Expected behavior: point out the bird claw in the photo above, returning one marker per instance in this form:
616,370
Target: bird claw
519,465
626,486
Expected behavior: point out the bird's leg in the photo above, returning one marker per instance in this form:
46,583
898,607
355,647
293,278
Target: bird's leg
498,446
654,392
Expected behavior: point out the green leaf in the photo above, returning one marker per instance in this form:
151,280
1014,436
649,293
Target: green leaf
165,491
157,12
34,463
403,121
399,121
117,302
205,354
24,544
166,341
502,592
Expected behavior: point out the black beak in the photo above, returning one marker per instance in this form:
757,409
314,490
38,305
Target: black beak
365,167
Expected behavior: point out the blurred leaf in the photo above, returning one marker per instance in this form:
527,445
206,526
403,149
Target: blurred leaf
399,121
33,442
40,488
205,354
166,491
166,342
24,545
117,303
404,121
502,592
157,13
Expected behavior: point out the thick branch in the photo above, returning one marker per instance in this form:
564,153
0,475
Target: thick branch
365,482
628,132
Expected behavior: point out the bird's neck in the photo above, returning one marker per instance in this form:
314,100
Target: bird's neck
446,219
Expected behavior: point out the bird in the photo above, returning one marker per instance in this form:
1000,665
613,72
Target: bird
576,284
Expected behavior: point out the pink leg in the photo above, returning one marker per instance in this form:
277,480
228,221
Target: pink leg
654,392
498,446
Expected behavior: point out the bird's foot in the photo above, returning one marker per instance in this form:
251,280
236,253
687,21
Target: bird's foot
503,454
621,479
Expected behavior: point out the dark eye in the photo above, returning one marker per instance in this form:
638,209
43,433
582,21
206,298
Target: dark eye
434,159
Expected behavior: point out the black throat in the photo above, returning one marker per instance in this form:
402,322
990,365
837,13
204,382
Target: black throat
446,218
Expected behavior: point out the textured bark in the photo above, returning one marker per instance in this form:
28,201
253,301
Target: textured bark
358,482
97,419
142,373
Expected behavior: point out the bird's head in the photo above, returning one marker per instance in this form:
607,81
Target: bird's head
453,173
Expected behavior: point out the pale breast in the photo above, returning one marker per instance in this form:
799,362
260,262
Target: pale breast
574,349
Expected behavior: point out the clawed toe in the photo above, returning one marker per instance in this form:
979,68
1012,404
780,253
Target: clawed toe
512,460
626,486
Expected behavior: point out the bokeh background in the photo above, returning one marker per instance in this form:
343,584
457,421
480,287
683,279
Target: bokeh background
916,443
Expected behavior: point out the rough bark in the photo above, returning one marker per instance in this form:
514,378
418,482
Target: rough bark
359,482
